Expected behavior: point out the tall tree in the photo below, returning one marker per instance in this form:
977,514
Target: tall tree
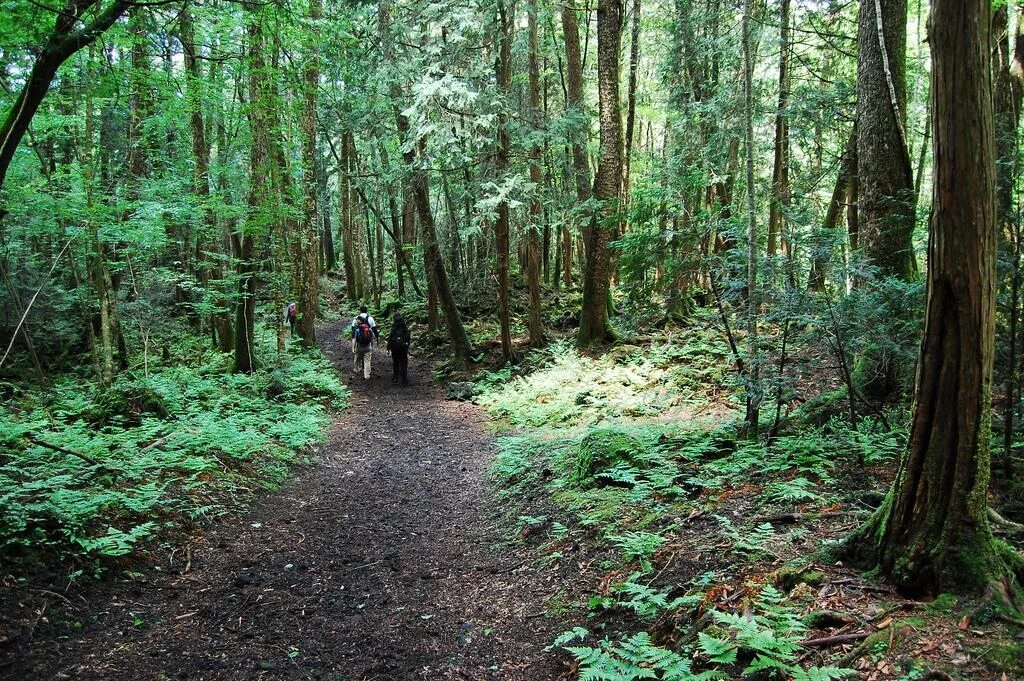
932,532
595,326
503,76
308,244
575,108
753,297
886,180
780,171
533,250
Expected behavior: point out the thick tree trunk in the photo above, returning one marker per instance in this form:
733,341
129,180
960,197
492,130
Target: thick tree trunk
595,326
886,179
261,209
932,534
533,248
308,245
575,107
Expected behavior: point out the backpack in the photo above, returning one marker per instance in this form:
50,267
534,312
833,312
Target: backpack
400,339
364,334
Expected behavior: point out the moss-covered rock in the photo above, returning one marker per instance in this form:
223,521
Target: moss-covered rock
787,578
601,449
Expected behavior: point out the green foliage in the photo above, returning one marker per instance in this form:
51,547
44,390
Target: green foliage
176,443
638,546
635,658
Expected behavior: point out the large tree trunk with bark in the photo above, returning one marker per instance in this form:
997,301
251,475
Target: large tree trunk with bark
533,248
886,191
780,170
932,533
595,326
308,246
575,107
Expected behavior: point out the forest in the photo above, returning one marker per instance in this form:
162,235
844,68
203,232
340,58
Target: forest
716,339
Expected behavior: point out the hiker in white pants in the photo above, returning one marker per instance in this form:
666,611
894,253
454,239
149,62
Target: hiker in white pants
364,330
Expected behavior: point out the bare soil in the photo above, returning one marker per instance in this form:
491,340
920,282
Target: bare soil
383,560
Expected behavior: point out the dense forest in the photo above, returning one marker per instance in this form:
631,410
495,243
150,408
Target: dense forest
723,301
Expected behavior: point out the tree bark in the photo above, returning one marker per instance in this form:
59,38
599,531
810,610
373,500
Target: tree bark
886,179
753,298
533,248
575,107
634,66
308,237
595,326
503,75
780,171
932,533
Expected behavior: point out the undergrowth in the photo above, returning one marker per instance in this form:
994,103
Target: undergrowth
628,447
86,473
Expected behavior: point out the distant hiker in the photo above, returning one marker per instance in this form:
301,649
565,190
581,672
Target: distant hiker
364,330
290,316
398,348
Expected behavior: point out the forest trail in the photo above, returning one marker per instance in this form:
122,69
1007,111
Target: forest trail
377,562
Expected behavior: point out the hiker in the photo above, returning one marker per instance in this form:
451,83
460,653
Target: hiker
398,348
290,316
364,330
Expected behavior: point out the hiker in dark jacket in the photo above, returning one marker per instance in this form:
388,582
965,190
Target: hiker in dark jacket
398,348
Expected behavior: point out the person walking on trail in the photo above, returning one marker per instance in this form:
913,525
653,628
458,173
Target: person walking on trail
290,316
364,331
398,348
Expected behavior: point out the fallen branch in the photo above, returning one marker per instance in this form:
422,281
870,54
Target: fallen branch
64,450
829,641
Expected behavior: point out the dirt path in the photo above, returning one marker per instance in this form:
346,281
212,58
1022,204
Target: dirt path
376,563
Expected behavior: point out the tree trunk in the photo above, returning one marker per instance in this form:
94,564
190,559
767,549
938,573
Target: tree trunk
503,75
932,533
821,251
533,248
260,200
594,322
780,171
575,107
753,297
886,179
634,65
308,246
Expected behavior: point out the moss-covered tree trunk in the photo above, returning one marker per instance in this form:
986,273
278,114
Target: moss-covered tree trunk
533,247
932,533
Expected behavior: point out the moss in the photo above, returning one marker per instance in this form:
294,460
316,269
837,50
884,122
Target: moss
819,409
603,448
943,604
789,577
1004,657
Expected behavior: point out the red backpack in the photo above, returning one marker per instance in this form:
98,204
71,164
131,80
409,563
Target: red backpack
364,334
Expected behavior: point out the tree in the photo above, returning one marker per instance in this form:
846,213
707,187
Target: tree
503,76
932,532
533,254
753,382
308,238
885,200
595,326
575,109
77,24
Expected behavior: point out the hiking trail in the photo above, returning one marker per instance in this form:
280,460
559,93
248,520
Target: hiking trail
378,562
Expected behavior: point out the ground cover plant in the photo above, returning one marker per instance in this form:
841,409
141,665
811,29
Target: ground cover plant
696,553
89,473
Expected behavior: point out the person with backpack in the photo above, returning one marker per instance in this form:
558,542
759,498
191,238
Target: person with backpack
398,348
290,316
364,330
